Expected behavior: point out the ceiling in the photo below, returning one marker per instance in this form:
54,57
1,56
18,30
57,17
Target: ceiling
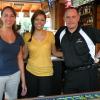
25,5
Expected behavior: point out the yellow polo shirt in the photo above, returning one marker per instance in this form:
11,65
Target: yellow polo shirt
39,61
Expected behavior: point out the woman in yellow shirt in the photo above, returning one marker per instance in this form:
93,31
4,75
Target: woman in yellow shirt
40,45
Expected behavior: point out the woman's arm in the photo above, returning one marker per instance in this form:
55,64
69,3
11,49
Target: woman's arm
21,68
56,52
25,51
97,57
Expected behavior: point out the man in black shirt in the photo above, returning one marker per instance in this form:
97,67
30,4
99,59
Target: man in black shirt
78,46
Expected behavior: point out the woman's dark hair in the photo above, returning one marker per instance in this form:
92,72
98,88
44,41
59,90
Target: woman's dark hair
14,12
36,13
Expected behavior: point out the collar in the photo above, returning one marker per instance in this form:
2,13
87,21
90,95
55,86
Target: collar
76,31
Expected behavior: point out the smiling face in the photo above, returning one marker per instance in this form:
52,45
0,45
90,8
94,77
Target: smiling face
39,22
71,19
8,18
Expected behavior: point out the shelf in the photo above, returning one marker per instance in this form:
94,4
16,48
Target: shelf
86,12
87,15
91,25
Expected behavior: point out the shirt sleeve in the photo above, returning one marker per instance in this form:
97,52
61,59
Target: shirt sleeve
57,36
93,33
97,34
26,37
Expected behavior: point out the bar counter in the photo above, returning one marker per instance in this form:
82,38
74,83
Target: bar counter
59,68
79,96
